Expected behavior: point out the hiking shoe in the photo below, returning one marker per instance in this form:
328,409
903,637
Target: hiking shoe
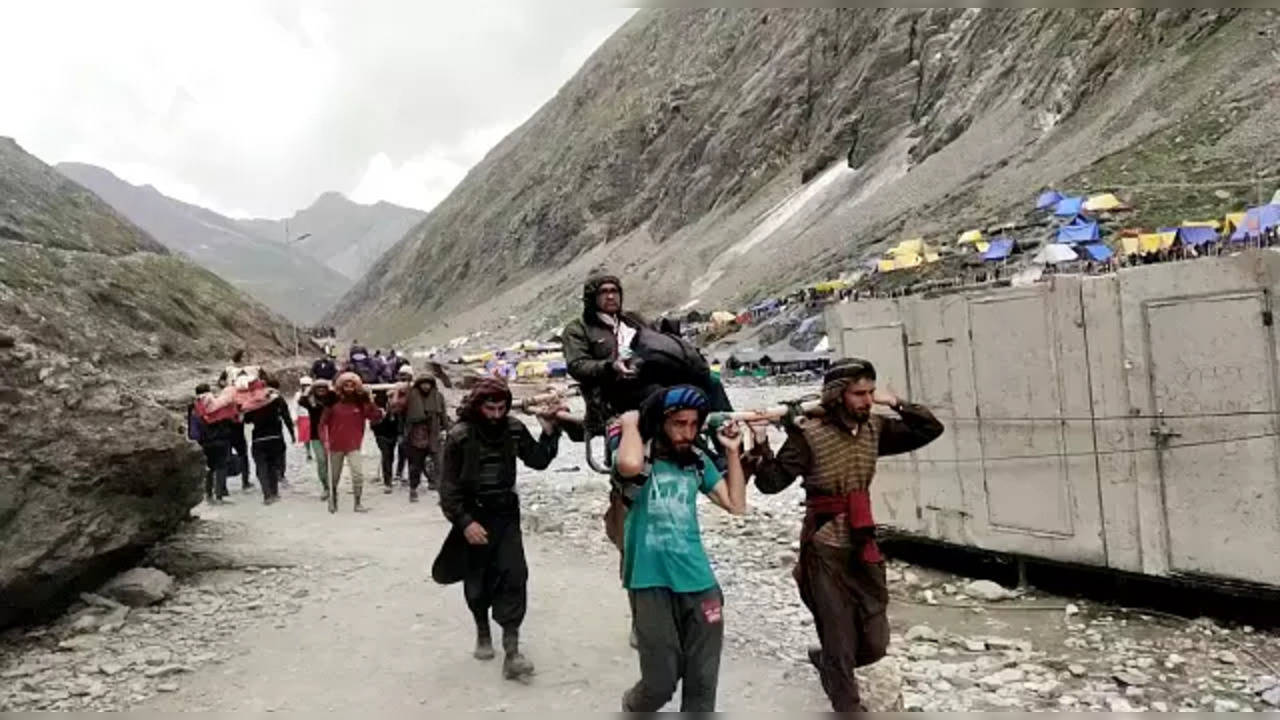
386,490
516,667
484,649
413,495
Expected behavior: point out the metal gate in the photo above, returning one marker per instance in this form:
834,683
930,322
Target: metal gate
1214,391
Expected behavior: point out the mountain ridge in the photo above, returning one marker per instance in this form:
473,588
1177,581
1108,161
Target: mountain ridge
688,127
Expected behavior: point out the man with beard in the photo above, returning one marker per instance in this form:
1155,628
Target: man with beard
425,417
840,571
597,351
268,441
485,549
342,425
675,598
315,402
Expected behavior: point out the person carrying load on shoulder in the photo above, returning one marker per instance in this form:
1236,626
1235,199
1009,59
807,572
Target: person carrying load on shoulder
840,572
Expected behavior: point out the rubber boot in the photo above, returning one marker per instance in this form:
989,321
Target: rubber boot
484,643
514,666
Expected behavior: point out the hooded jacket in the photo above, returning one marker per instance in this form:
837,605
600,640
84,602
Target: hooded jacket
342,424
590,349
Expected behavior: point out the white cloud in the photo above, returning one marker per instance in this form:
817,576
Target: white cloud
261,105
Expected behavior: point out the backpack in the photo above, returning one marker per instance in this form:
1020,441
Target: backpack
664,360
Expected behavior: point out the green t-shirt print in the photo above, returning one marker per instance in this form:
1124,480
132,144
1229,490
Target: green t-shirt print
662,543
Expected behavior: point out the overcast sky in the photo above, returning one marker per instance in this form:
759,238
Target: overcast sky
255,107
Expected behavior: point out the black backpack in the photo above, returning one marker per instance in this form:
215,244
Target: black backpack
664,359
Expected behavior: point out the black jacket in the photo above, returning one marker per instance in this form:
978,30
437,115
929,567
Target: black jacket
590,350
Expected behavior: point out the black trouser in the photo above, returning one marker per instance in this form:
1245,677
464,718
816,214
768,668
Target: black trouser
497,575
417,466
679,638
217,455
268,463
402,457
387,446
241,448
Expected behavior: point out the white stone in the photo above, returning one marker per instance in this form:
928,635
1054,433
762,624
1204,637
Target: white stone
922,633
139,587
987,590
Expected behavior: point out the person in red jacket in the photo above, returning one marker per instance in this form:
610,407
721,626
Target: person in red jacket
342,424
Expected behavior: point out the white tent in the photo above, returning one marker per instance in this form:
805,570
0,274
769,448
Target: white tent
824,345
1054,253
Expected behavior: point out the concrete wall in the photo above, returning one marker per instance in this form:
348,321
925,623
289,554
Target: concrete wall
1052,397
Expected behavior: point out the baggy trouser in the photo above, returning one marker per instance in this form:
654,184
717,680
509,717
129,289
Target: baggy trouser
497,576
322,463
268,463
217,457
387,451
848,599
417,466
337,460
679,638
240,447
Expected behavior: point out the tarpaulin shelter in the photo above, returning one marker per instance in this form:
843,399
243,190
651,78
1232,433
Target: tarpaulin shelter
1102,202
1069,206
1130,244
914,246
1048,199
830,286
1196,236
1275,199
1154,242
1000,249
1232,221
1215,224
721,317
557,368
1097,252
1054,253
1256,221
1078,231
969,236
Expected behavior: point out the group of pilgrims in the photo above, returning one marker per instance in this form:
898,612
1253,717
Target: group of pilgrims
668,438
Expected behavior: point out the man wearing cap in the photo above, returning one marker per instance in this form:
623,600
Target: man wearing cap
675,598
421,407
840,572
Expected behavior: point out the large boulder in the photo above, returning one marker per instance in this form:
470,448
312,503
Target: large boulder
100,331
139,587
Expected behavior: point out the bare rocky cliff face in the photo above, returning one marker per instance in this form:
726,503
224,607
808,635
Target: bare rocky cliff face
100,327
713,156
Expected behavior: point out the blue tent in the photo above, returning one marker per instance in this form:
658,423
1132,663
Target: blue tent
999,249
1048,199
1196,236
1069,206
1078,232
1256,221
1097,252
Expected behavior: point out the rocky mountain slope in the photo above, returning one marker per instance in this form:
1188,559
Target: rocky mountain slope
287,280
713,156
98,322
344,235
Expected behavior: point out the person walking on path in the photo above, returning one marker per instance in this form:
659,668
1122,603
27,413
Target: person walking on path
675,598
342,424
840,572
315,402
485,548
269,422
425,419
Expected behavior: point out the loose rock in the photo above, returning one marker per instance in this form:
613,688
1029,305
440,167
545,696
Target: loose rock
139,587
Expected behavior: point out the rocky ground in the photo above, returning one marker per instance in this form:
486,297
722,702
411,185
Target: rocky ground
288,608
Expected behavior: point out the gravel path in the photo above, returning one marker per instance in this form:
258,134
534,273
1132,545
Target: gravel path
288,608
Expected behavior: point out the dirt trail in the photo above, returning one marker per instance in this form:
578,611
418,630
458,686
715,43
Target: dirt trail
375,633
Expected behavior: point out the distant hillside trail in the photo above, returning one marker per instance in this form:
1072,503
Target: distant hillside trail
377,634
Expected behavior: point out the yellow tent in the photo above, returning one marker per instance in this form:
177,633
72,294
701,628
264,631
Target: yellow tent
1232,221
902,262
480,358
831,286
532,368
914,246
982,246
970,236
1275,199
721,317
1202,223
1151,242
885,265
1130,244
1103,201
